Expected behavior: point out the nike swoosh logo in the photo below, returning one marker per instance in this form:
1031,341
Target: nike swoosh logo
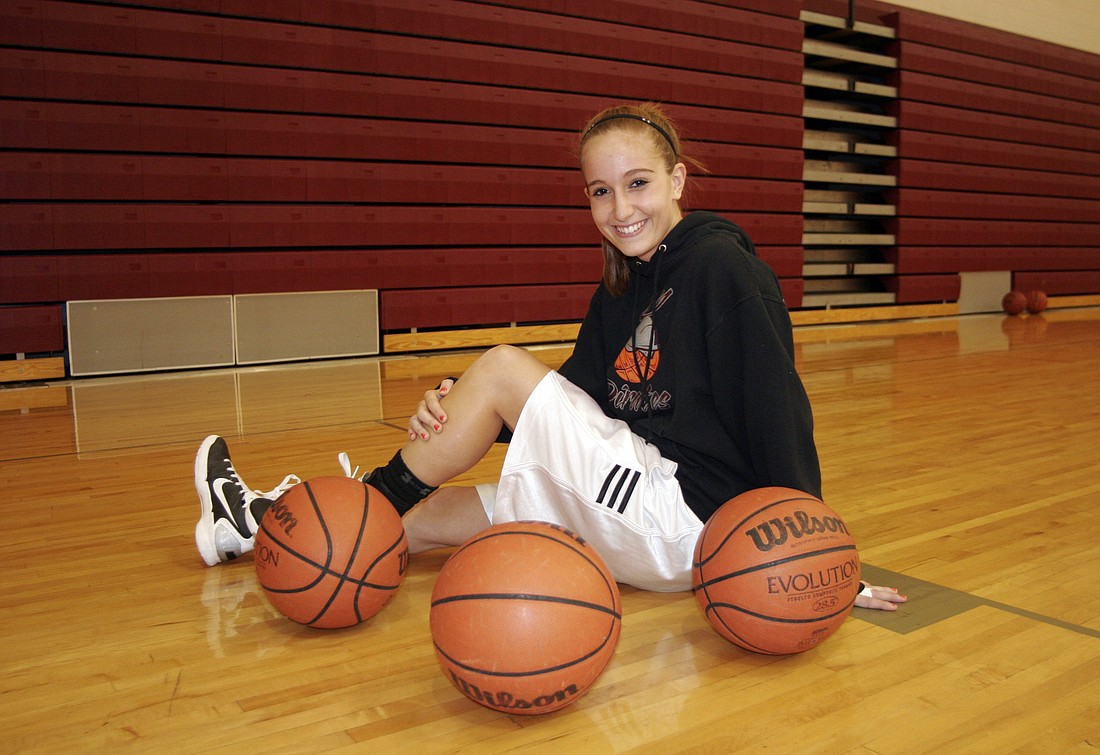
231,511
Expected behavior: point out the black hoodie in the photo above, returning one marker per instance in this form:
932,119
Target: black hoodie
698,358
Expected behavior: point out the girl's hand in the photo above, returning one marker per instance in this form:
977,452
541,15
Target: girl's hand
430,416
879,598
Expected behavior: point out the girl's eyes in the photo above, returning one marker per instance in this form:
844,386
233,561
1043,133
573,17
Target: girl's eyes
638,183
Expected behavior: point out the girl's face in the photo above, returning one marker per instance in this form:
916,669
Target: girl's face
635,200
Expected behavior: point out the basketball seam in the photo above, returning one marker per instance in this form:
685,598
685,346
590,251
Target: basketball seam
341,577
527,596
601,569
779,619
600,647
777,562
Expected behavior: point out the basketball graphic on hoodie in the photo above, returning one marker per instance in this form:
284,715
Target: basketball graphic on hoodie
639,358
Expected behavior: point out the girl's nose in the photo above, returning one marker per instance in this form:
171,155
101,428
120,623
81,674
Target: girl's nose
623,207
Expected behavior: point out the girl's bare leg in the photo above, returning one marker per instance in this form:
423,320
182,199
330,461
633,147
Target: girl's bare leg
490,394
449,516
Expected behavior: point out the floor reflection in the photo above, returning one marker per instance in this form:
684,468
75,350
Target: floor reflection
101,414
238,617
109,413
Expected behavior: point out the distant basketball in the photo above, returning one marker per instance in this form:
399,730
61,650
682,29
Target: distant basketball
776,571
1014,302
525,617
331,552
1036,302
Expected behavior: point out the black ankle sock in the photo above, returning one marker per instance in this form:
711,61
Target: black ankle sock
259,507
398,484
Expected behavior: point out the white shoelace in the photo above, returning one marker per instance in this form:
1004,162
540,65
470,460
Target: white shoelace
345,464
288,482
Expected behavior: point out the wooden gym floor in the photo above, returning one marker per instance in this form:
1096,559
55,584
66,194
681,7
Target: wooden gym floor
961,451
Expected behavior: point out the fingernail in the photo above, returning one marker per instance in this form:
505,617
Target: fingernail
424,436
442,417
438,428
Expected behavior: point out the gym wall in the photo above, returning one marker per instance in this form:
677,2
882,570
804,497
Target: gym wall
425,151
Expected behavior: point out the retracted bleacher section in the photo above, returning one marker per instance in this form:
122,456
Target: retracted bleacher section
998,159
197,148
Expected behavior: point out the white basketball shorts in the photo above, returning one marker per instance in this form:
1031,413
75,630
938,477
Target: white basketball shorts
570,464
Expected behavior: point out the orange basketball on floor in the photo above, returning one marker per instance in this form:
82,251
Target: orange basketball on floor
1036,302
776,571
331,552
525,617
1014,302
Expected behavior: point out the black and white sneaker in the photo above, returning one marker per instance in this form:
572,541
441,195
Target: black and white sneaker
227,527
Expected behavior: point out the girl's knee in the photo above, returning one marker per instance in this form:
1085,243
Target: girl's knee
506,354
509,372
506,359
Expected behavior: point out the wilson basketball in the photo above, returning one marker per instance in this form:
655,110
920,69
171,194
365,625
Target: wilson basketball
525,617
776,571
1014,302
1036,302
331,552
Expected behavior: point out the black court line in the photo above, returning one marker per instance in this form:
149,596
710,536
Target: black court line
930,603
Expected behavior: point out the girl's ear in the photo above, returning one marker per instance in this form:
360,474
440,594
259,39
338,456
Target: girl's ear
679,179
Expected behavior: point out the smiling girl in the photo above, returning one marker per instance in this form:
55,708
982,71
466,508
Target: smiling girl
681,392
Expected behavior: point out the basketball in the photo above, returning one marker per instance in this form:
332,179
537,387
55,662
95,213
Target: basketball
525,617
1014,302
775,571
1036,302
331,552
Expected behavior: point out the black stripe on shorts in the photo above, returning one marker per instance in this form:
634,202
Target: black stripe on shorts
618,498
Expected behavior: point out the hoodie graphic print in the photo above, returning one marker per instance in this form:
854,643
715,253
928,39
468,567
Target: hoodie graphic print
630,379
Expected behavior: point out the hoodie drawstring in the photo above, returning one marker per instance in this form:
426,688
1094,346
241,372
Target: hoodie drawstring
645,375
